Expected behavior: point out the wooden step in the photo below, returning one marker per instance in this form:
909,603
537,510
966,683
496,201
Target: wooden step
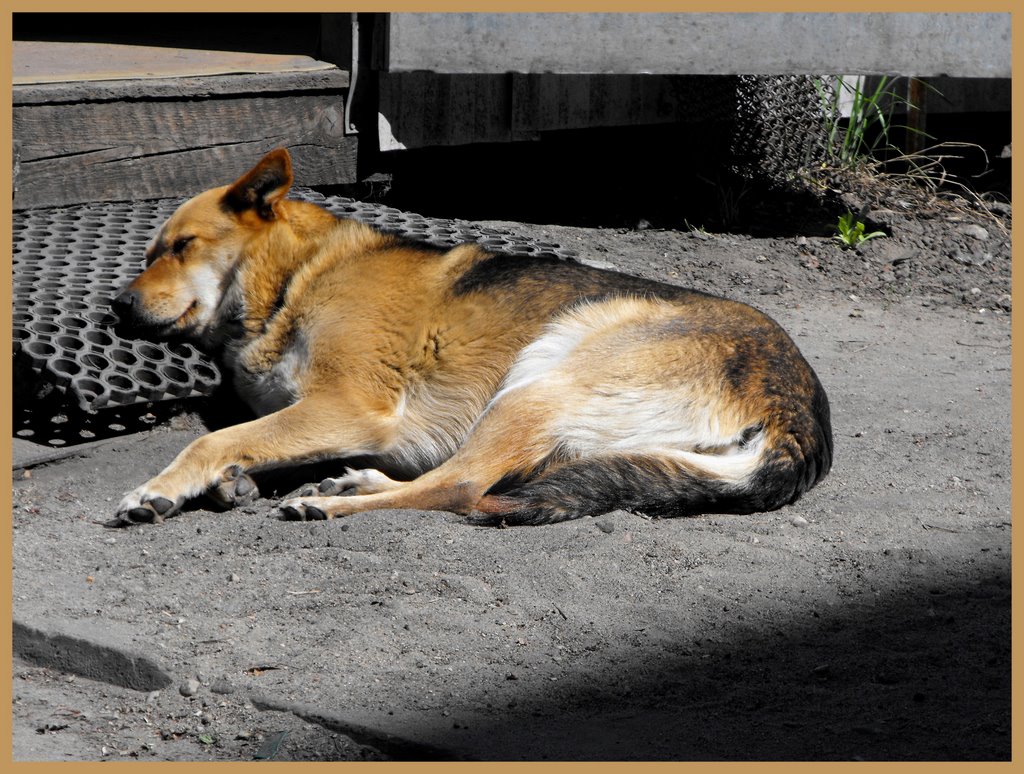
102,122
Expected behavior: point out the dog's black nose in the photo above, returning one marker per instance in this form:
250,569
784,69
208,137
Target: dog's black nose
123,305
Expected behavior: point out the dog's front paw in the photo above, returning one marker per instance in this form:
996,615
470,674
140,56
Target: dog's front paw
233,487
143,507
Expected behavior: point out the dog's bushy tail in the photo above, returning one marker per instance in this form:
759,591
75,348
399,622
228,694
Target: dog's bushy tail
662,484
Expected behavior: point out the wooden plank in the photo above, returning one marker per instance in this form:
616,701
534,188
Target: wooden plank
492,117
410,121
191,87
423,109
525,105
599,102
143,150
35,61
153,127
428,109
389,92
619,114
579,101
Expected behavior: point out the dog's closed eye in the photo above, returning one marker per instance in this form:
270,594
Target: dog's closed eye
180,244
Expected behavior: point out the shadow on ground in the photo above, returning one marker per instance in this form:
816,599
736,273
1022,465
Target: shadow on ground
923,675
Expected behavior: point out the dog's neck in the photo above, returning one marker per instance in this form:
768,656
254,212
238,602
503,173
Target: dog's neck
268,265
254,287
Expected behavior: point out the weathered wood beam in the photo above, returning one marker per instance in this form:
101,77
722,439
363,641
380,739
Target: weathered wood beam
141,149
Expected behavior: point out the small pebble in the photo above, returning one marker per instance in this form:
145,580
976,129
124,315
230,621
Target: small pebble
974,230
110,541
189,687
222,687
798,521
605,525
232,578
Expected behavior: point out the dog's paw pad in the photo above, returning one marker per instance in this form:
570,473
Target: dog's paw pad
335,487
161,505
294,510
354,482
245,487
147,513
234,488
140,508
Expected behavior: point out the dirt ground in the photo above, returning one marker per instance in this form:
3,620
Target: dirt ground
870,621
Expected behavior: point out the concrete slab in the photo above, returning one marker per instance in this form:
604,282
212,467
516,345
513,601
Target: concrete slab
920,44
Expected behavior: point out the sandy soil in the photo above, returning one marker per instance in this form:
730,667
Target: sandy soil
871,620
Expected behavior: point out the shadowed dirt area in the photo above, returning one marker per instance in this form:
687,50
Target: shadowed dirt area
871,620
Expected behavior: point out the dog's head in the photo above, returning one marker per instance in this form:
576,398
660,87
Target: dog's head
189,261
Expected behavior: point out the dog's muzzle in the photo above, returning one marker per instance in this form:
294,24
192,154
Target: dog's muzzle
125,305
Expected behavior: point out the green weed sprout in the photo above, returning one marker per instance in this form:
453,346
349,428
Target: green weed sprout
851,231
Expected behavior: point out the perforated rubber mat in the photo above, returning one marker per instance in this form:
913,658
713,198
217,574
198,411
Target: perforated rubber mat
69,262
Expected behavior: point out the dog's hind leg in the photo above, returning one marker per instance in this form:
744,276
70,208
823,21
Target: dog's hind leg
511,439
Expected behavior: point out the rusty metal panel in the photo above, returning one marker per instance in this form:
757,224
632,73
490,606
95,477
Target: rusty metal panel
922,44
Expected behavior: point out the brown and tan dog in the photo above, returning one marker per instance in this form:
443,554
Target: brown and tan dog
530,389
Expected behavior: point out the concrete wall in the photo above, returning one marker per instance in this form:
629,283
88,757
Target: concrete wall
969,45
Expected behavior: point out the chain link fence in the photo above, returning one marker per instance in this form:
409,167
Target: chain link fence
782,126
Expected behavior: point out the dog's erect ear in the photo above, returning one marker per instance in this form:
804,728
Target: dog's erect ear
262,186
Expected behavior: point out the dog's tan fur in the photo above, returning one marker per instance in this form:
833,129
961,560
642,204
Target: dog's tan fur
530,389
